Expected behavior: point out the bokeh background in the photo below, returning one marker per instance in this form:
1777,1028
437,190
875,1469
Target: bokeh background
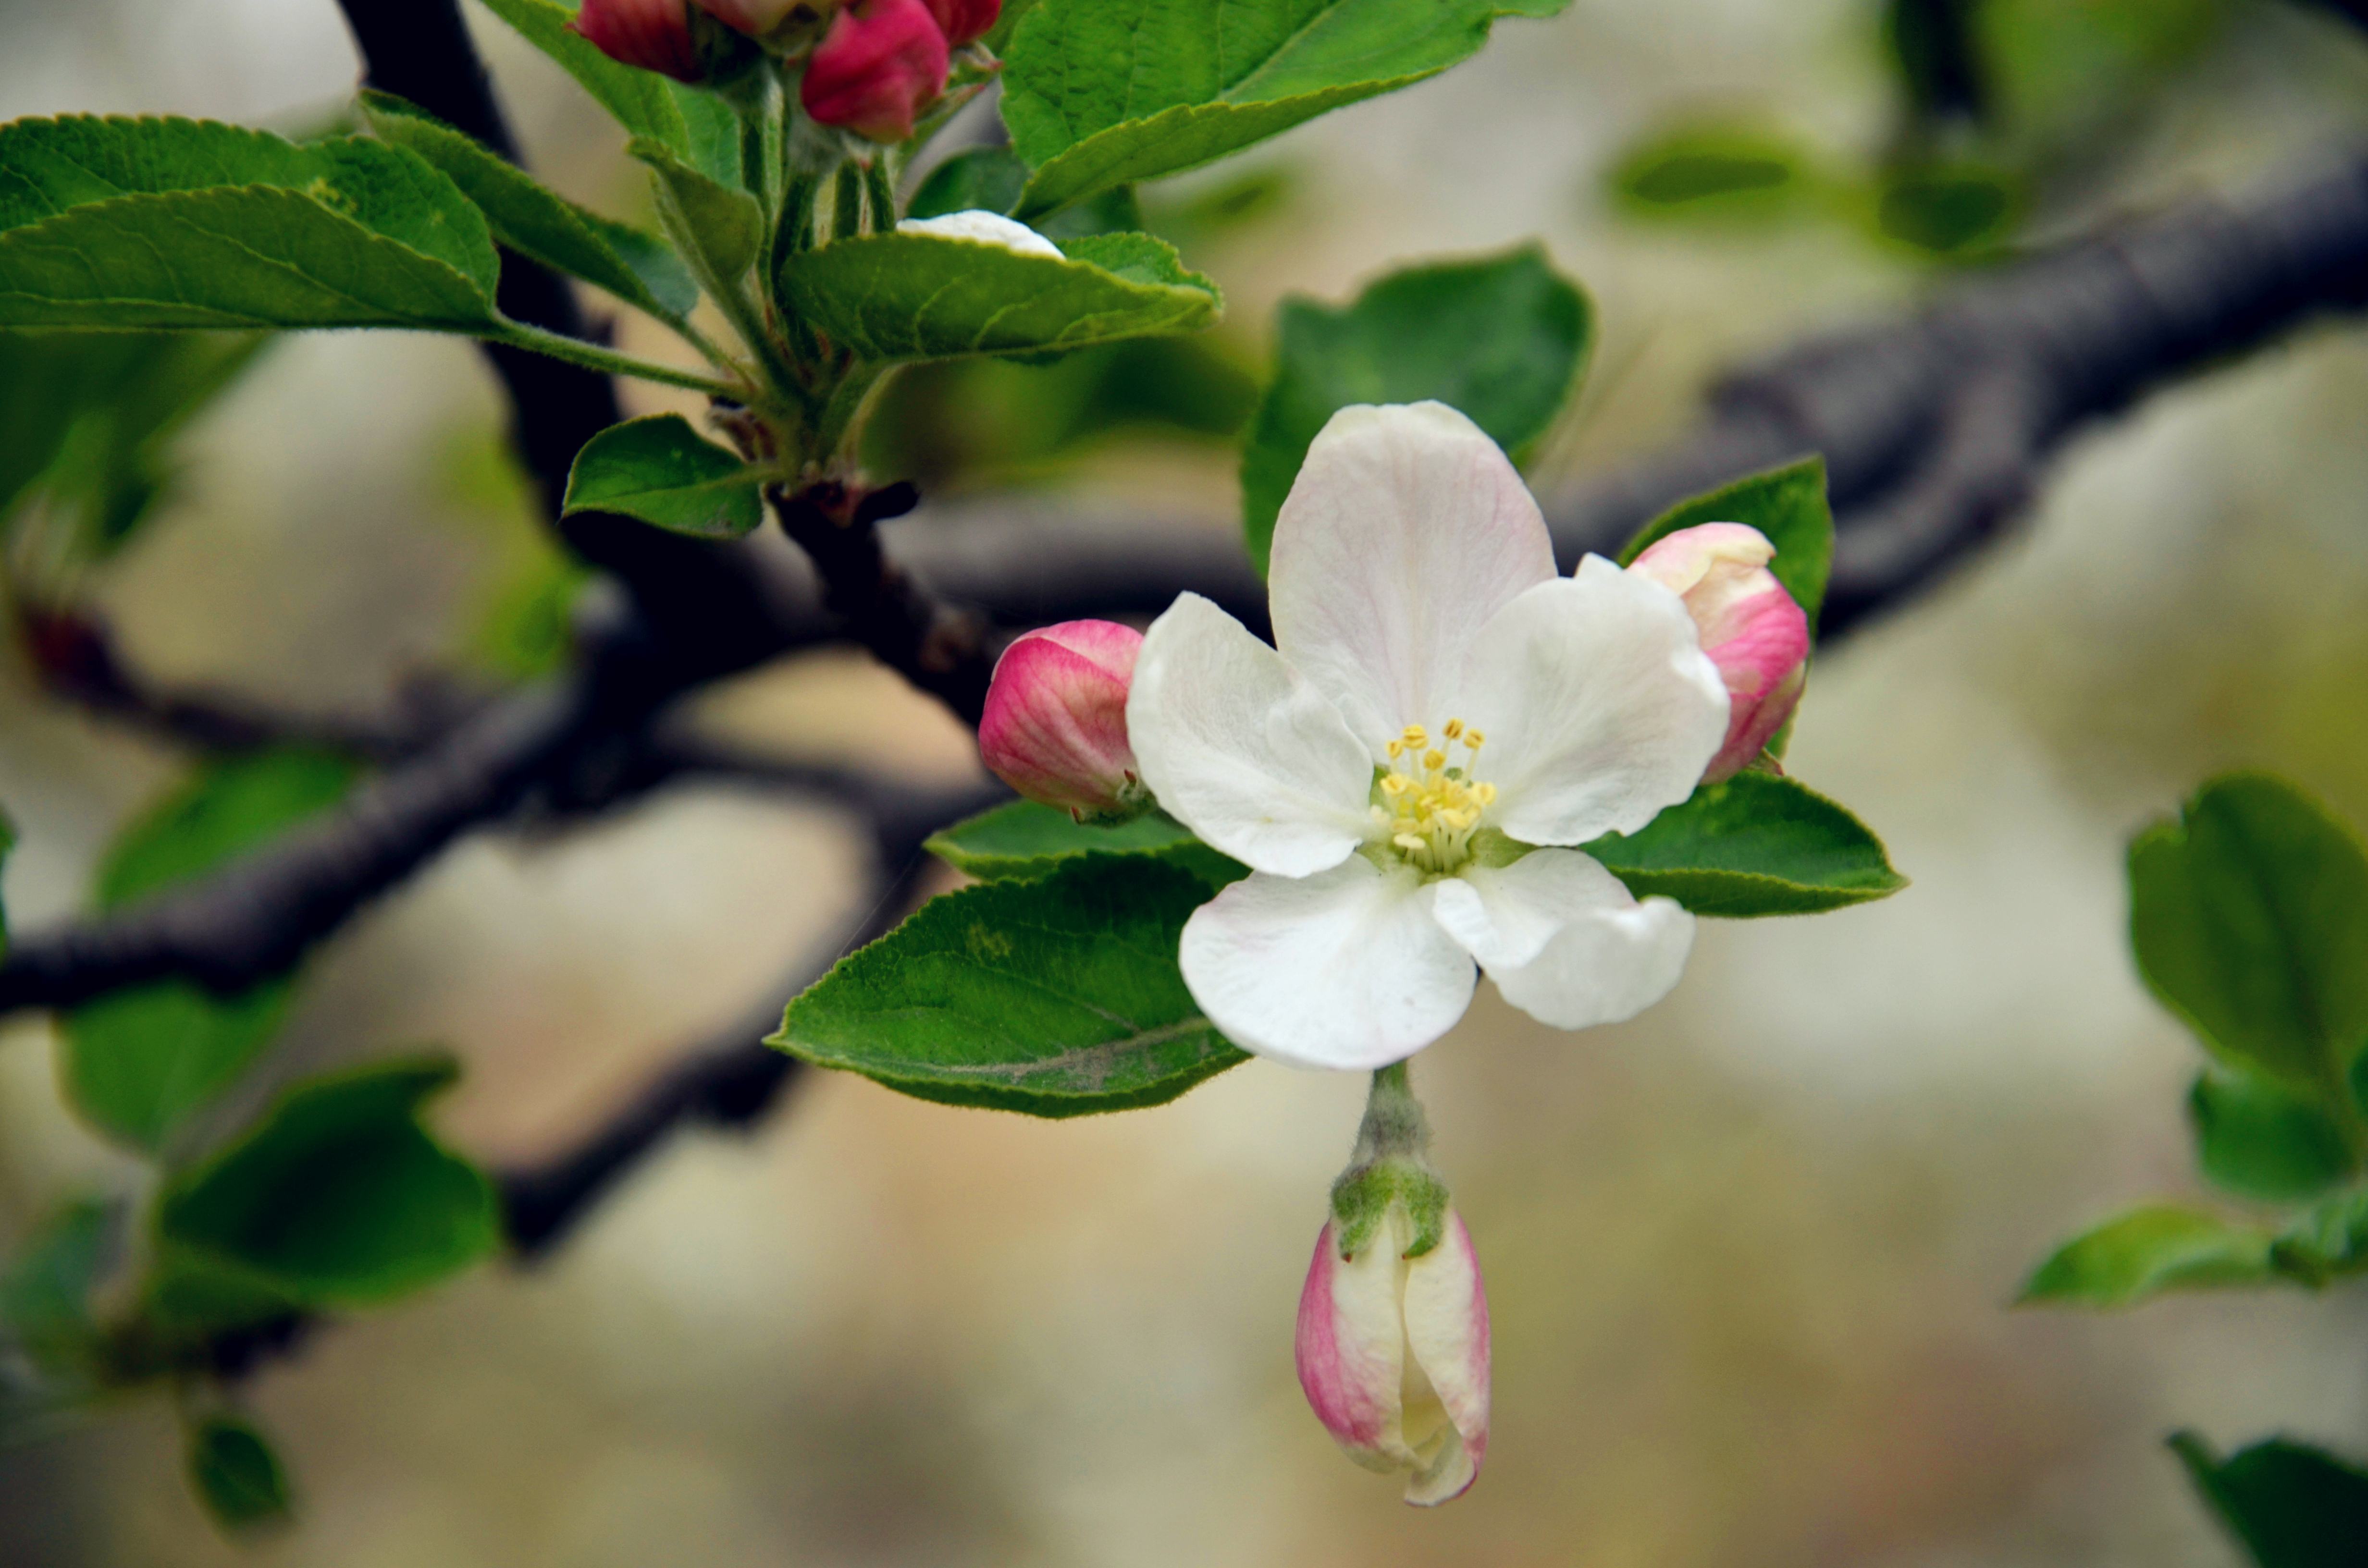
1750,1255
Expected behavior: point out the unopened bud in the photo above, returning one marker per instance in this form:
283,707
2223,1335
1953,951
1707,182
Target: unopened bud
986,228
962,20
759,19
1055,725
1750,628
651,34
880,65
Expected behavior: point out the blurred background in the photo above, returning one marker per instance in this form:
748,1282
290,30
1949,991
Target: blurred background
1750,1256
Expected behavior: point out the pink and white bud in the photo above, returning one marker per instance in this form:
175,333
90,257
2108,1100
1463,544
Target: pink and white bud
654,35
1054,727
1750,628
963,20
880,65
1394,1354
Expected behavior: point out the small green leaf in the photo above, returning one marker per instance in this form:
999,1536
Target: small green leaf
979,179
1755,845
236,1475
636,267
696,125
337,1198
45,1292
1101,93
2148,1251
1723,170
1788,505
137,1062
1501,338
1948,209
2249,920
1055,998
2257,1140
726,221
660,470
1021,841
913,296
2291,1506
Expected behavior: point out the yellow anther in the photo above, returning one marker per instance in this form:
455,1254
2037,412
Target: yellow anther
1394,784
1454,728
1396,747
1417,737
1484,793
1474,739
1408,841
1434,760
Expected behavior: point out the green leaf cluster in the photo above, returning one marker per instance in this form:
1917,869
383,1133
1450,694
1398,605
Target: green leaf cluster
2248,919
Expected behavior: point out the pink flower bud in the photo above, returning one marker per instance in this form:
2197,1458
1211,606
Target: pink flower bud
962,20
1750,628
882,63
1394,1354
651,34
1055,728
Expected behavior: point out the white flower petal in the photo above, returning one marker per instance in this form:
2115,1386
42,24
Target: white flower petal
1240,749
1345,969
1598,705
1406,531
981,227
1505,916
1447,1333
1605,965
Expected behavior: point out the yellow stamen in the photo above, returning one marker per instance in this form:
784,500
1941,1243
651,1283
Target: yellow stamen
1454,728
1434,760
1417,737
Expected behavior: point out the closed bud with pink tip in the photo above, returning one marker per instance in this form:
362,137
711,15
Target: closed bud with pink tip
1054,726
1750,626
651,34
965,20
880,65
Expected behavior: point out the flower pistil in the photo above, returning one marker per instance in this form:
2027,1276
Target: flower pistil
1424,806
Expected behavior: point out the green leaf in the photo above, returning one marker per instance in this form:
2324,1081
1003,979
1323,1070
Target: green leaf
137,1062
45,1292
185,224
726,221
2291,1506
1501,338
1021,841
1719,169
2258,1141
1757,843
337,1198
2148,1251
979,179
2327,1241
236,1475
1101,93
1948,209
660,470
910,296
1056,997
2249,919
1788,505
696,125
635,266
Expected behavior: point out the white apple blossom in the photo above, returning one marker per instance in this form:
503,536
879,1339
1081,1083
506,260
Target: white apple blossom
1441,718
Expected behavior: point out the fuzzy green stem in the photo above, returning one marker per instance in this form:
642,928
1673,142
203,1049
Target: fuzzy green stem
592,357
882,192
847,203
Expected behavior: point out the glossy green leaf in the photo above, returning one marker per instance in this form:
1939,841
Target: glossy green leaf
1755,845
660,470
1721,170
1101,93
337,1198
696,125
2249,919
1788,505
126,223
2148,1251
2290,1505
728,225
236,1475
635,266
45,1292
1055,998
1501,338
137,1062
2257,1140
1020,841
910,296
